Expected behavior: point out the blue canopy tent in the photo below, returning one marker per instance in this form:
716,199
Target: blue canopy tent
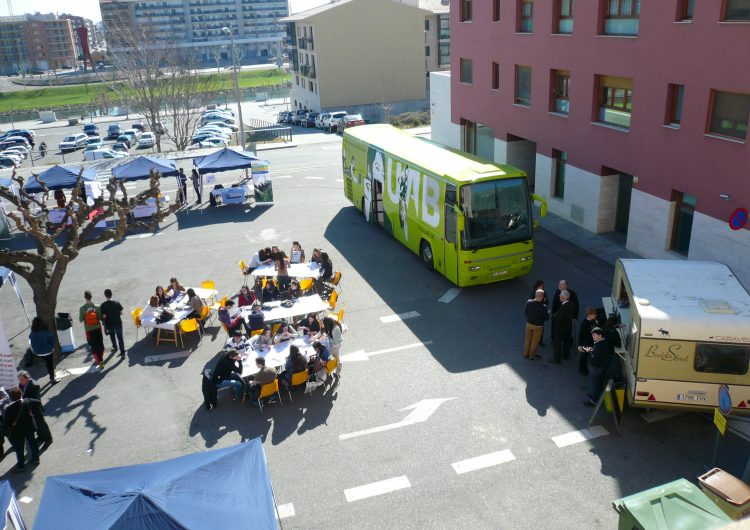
222,488
58,178
9,505
224,160
140,167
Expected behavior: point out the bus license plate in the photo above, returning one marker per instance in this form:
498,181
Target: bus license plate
499,273
691,397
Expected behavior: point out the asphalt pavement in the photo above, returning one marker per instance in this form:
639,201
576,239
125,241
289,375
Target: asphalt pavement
437,420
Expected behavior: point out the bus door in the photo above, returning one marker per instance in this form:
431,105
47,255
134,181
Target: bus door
377,202
450,239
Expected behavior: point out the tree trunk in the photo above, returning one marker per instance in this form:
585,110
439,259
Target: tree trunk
45,309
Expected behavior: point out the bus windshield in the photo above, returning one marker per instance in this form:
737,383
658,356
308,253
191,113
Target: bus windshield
497,213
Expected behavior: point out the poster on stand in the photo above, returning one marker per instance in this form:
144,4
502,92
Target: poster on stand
8,372
262,183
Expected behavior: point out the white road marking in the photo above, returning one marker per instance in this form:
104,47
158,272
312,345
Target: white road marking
25,500
480,462
281,177
420,412
339,180
144,236
361,355
450,295
286,510
166,357
74,371
659,415
575,437
377,488
314,178
331,148
401,316
305,168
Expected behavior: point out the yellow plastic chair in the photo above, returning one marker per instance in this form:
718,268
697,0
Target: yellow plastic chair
267,391
221,303
336,278
339,317
331,365
333,299
275,328
205,314
136,314
298,379
208,284
306,284
243,268
189,325
255,332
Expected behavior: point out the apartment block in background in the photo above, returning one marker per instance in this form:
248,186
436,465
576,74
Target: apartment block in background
34,43
367,56
630,117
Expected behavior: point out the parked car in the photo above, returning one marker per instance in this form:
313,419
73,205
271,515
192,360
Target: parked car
16,140
125,139
210,142
215,110
147,139
15,156
309,119
73,142
94,141
134,133
21,150
114,130
7,163
197,138
297,116
215,127
138,125
329,124
159,128
29,135
91,129
227,122
349,121
121,147
322,117
283,115
101,154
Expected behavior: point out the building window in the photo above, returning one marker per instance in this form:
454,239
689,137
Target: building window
685,10
465,14
561,161
445,27
467,71
682,222
527,16
561,91
621,17
495,10
615,100
427,24
445,53
729,114
737,10
523,86
495,76
426,51
565,16
674,106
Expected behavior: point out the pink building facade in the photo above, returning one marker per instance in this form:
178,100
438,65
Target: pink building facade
628,116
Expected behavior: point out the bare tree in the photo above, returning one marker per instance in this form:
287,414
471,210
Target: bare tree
216,53
44,267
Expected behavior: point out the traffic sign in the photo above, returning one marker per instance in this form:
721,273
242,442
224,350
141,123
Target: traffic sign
725,400
738,219
720,422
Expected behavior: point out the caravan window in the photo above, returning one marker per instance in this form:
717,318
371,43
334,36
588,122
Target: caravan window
722,358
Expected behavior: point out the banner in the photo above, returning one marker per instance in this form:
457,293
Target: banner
4,222
262,183
8,373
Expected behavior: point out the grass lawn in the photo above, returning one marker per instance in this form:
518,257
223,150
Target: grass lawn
45,98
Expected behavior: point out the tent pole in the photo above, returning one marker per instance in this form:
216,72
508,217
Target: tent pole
276,507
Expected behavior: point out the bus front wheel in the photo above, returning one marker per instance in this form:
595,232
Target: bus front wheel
425,252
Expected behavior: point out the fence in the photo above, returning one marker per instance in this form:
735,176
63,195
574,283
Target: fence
264,131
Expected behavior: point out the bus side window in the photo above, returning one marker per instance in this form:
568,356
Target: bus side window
450,223
450,195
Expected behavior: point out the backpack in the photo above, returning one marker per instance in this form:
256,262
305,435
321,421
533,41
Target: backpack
90,318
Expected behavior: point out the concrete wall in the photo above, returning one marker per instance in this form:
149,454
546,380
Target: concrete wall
522,154
443,130
712,239
650,228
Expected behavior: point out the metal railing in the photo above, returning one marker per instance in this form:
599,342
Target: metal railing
263,131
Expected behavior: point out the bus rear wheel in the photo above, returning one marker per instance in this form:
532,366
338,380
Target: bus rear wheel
425,251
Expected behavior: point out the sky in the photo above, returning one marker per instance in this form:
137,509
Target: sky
90,8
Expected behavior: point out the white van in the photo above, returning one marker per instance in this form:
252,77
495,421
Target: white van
330,122
686,331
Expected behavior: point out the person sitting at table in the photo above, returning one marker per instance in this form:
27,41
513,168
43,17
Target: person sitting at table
228,373
246,297
318,362
294,290
282,272
161,294
265,375
274,253
152,310
175,288
295,363
264,340
285,332
296,254
326,272
267,256
256,260
311,325
238,342
255,319
321,351
315,256
196,304
270,292
228,320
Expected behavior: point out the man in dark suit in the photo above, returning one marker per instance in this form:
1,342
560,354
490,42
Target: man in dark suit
563,286
599,360
31,389
20,428
562,326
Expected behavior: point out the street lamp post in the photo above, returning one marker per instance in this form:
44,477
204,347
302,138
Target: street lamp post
236,68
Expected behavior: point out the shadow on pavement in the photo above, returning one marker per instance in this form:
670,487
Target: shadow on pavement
207,215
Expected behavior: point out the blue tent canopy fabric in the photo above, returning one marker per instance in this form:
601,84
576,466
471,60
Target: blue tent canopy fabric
9,505
58,178
140,167
221,488
224,160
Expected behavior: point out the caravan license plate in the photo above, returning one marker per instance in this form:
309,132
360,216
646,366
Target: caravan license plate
691,397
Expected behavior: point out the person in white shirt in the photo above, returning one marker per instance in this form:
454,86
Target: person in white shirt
152,310
238,342
297,254
285,332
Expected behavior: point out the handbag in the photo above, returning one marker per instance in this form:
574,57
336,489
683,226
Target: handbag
165,316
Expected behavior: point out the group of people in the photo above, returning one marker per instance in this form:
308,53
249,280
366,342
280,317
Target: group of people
182,179
325,336
22,421
158,307
100,319
281,261
598,336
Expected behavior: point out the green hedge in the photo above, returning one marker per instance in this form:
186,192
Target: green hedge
408,120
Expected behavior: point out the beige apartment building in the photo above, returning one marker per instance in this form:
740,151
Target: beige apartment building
367,56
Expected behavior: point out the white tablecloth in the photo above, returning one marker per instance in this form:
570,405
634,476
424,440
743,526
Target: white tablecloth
302,306
148,209
235,195
56,216
181,309
276,355
295,270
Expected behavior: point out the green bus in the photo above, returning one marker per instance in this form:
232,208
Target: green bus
469,219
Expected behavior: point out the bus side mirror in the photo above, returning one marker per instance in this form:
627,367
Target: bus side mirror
542,204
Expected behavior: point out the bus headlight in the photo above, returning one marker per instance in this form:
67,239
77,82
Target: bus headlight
527,258
474,268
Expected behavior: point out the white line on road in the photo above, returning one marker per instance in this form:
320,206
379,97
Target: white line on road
396,318
377,488
305,168
286,510
659,415
314,178
420,412
281,177
339,180
575,437
166,357
25,500
361,355
74,371
331,148
480,462
450,295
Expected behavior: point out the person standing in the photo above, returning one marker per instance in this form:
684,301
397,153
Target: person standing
196,178
112,317
333,330
20,429
182,183
536,316
563,286
91,316
43,345
598,362
584,339
539,284
30,389
562,325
